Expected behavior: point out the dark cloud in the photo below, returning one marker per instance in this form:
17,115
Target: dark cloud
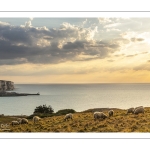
137,39
16,34
22,44
74,45
136,54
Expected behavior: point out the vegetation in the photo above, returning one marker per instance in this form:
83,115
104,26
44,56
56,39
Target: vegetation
43,109
84,122
58,113
65,111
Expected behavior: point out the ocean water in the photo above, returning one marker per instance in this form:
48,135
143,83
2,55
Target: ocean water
79,97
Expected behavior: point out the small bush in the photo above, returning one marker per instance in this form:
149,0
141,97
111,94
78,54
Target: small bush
43,109
65,111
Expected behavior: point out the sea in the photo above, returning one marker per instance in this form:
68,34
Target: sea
79,97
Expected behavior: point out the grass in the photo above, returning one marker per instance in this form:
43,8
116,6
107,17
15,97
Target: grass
84,122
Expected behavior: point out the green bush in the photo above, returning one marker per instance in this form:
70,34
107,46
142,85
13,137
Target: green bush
43,110
65,111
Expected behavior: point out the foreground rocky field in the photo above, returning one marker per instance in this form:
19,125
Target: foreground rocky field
84,122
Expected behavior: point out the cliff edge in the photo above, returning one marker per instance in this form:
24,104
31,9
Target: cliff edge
6,85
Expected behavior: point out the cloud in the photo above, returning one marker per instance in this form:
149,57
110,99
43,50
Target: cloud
111,60
131,55
31,18
112,29
104,20
84,22
4,24
112,25
144,66
74,45
28,44
137,39
28,23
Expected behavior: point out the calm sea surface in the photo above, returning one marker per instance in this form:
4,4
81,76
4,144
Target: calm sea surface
76,96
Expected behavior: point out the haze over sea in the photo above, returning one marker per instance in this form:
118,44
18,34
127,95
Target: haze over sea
79,97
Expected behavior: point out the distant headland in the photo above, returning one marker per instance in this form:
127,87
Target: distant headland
6,85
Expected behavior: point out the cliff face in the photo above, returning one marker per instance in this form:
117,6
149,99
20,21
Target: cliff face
6,85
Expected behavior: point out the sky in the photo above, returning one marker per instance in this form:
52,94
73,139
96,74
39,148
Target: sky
75,50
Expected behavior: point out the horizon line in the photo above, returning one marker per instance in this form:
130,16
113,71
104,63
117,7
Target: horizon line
92,83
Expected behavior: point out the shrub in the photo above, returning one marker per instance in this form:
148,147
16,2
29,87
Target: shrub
43,110
65,111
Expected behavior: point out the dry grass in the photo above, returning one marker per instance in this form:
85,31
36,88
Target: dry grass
84,122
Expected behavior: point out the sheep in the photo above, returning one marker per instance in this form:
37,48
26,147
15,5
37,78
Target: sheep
36,119
99,115
110,113
130,110
19,119
138,107
138,110
24,121
68,116
15,123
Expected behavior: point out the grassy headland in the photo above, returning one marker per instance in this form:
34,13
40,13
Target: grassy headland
84,122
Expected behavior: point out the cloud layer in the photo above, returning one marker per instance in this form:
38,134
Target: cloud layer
28,44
